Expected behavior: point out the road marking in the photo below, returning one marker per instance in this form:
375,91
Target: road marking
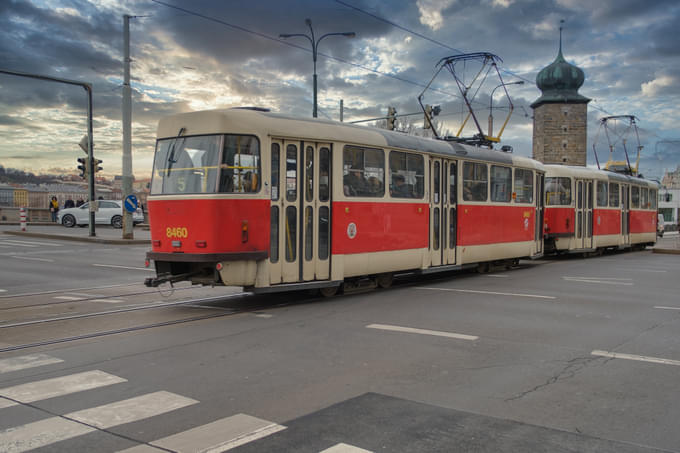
649,270
345,448
68,298
19,244
65,385
3,290
486,292
84,294
436,333
6,403
218,436
603,280
68,289
33,259
667,308
108,301
55,429
26,361
639,358
50,244
125,267
497,276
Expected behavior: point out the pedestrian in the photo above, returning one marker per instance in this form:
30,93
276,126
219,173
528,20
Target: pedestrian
79,203
69,203
54,208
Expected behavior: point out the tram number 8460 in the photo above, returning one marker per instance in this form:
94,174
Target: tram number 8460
177,232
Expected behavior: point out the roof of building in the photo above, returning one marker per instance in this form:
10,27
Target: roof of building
559,82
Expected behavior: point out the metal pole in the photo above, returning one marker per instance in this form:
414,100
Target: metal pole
128,232
341,110
90,154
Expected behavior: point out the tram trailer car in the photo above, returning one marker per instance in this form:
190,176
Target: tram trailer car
589,210
249,198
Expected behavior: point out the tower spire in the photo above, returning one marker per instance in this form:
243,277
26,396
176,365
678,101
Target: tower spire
561,22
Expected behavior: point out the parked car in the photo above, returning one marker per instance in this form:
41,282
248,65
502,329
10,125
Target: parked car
110,212
659,225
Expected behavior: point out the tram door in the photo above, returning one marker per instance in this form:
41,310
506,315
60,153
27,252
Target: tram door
625,213
300,211
436,208
584,214
538,237
450,207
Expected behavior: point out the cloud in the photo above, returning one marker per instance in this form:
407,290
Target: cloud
431,12
661,85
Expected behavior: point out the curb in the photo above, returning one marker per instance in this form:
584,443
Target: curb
667,251
80,239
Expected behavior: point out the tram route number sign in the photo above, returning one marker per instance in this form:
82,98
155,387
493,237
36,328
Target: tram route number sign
131,203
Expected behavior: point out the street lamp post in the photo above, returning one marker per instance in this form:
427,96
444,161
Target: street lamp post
315,46
520,82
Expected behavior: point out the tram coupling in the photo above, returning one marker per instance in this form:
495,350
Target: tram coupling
153,282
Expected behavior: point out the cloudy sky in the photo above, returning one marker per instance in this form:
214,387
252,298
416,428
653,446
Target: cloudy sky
202,54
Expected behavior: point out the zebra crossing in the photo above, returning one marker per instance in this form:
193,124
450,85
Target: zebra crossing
7,243
218,436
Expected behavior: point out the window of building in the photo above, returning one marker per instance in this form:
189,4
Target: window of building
501,182
524,186
613,195
557,191
407,175
363,172
602,194
475,182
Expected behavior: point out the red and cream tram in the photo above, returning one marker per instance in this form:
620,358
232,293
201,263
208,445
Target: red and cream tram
588,210
249,198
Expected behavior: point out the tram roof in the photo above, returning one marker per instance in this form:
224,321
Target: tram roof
594,173
248,121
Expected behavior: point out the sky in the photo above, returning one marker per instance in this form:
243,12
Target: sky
203,54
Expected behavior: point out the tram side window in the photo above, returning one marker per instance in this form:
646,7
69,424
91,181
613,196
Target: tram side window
644,198
407,175
613,195
652,198
635,197
501,181
363,172
557,191
185,165
275,170
475,182
524,186
602,199
240,164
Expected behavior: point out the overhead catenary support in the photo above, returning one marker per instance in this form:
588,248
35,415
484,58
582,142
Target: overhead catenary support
128,232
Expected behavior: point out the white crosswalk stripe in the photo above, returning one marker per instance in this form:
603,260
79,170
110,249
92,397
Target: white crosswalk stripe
219,436
45,432
26,361
29,243
51,388
345,448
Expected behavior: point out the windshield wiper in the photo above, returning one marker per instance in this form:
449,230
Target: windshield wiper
171,157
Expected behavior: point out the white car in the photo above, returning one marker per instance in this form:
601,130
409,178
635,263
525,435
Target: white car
110,212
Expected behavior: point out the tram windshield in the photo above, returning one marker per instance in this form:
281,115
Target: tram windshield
557,191
190,165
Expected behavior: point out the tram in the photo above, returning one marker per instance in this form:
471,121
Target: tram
589,210
245,197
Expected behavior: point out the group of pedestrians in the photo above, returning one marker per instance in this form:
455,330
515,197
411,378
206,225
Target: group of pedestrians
54,206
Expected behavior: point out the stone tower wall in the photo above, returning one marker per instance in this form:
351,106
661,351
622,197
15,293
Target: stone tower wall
560,133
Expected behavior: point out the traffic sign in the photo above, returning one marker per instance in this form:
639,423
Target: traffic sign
131,203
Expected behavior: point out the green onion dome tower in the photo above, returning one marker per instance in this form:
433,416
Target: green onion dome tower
560,114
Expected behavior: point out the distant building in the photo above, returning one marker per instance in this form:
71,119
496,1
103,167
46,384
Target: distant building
671,180
560,114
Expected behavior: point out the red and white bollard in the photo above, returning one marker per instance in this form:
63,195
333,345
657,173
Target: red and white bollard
22,218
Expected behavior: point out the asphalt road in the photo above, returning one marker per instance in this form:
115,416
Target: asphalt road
569,354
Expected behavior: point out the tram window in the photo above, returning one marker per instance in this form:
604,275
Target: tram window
602,193
523,186
501,181
475,182
363,172
635,197
309,173
435,233
274,235
589,195
324,174
291,173
644,198
652,198
186,165
437,185
452,228
613,195
324,230
275,170
407,175
579,195
309,233
557,191
240,168
291,233
453,183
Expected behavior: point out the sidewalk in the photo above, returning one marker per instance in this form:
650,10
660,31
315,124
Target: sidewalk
668,244
105,234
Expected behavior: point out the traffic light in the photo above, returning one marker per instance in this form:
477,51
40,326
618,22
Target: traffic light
391,117
84,167
97,168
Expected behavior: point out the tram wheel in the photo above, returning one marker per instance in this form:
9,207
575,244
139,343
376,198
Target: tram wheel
483,268
329,291
384,280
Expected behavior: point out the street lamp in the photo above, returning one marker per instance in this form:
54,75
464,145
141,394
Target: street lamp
520,82
315,45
